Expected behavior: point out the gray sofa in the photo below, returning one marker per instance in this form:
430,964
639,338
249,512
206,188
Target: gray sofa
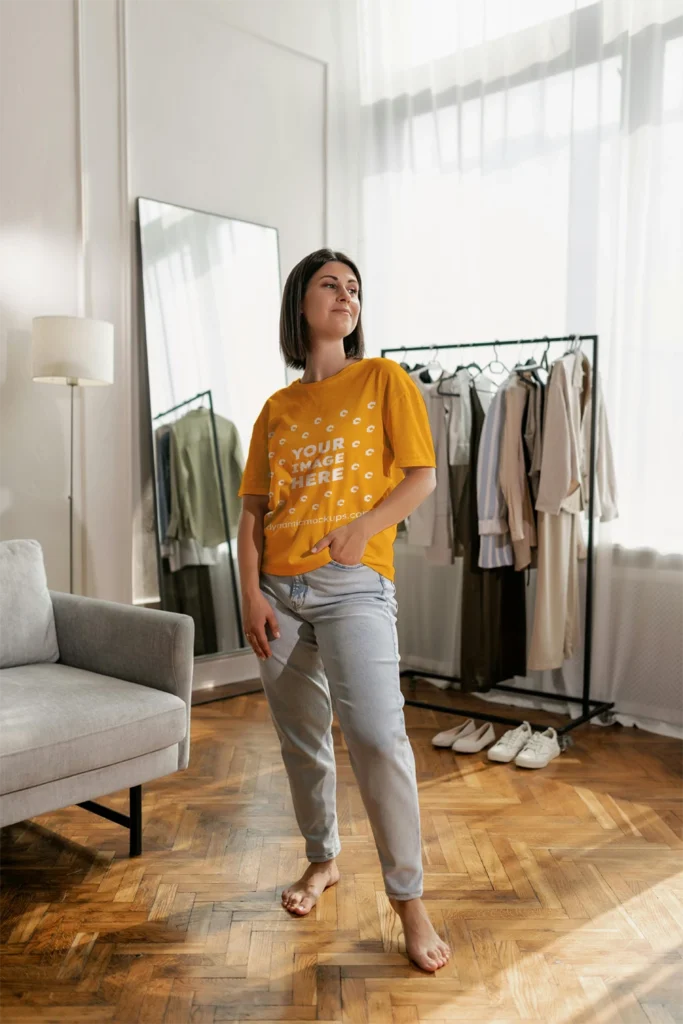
94,697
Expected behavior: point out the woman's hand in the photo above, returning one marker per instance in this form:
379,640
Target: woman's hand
256,615
347,543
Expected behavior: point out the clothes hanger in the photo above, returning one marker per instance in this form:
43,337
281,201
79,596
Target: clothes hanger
432,366
495,361
402,363
574,344
450,376
532,367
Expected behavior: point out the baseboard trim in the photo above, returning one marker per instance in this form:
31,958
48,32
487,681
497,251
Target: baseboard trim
224,691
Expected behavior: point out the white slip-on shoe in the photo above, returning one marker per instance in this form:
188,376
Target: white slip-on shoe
510,744
539,751
477,740
448,738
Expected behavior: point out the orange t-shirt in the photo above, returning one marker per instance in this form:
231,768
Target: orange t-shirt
327,452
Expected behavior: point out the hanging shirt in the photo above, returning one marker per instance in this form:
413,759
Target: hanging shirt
495,546
564,483
533,434
430,525
450,418
196,502
605,475
327,452
513,476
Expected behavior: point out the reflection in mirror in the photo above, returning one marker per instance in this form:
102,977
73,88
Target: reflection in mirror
211,288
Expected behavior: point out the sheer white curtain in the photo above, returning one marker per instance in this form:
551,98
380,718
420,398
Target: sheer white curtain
522,169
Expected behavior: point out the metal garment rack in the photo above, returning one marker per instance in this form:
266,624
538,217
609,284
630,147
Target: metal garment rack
590,708
224,504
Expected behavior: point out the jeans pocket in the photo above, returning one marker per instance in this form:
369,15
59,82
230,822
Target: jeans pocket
340,565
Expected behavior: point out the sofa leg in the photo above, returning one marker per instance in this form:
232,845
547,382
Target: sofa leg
135,821
132,821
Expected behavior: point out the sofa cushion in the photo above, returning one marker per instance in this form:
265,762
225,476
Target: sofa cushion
57,721
27,623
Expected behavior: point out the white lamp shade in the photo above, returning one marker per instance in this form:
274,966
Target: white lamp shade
73,350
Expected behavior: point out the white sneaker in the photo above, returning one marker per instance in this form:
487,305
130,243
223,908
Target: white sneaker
477,740
510,743
448,738
540,750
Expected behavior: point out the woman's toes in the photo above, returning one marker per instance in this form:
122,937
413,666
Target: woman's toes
439,957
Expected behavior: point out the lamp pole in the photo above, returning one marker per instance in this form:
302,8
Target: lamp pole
78,352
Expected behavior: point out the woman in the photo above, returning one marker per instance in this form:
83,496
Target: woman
336,460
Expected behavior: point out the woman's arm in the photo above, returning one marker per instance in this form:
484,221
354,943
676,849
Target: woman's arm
256,611
350,540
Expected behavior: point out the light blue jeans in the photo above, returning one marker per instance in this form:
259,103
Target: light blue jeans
338,649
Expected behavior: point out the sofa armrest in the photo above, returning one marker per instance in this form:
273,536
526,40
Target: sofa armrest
152,648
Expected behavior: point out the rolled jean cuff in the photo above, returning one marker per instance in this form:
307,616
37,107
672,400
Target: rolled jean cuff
403,898
320,858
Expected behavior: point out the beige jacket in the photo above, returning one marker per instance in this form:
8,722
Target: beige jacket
513,477
564,482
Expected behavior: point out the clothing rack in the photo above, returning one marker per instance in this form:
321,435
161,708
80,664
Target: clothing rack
590,708
224,504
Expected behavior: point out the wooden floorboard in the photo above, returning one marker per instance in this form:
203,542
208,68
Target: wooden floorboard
560,891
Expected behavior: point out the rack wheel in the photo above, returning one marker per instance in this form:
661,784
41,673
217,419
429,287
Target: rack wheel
565,741
607,718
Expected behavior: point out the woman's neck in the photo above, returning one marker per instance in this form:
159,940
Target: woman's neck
325,361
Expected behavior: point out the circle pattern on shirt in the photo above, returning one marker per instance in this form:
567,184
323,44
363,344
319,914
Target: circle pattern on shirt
369,452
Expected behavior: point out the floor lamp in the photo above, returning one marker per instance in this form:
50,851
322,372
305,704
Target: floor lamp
77,352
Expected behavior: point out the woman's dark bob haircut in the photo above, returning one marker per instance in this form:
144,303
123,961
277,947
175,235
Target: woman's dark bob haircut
294,339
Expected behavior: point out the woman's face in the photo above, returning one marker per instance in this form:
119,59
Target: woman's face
331,304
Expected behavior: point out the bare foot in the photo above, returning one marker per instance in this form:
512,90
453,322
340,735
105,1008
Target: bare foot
423,945
302,896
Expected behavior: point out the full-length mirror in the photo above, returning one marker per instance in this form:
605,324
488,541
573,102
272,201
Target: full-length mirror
211,288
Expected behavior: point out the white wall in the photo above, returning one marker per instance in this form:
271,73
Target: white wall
233,106
39,212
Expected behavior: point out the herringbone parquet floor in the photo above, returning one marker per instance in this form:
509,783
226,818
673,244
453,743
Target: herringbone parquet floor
561,892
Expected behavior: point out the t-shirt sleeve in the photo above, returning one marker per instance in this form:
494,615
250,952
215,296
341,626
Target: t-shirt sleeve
406,422
256,476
